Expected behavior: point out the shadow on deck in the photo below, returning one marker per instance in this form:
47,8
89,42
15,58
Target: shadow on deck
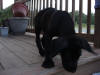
19,56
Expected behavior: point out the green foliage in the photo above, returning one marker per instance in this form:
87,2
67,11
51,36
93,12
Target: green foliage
92,19
5,14
84,18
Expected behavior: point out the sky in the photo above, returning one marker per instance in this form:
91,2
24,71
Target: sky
85,3
6,3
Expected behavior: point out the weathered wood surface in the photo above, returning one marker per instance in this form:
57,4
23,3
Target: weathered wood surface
21,52
18,52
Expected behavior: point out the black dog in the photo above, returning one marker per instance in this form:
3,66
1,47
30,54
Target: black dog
51,23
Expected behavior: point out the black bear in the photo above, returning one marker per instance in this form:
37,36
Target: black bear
56,23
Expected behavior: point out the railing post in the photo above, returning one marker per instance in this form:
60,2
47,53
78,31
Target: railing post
97,24
40,5
89,17
60,4
1,4
37,5
66,5
32,15
73,10
29,26
34,7
50,3
56,4
43,4
80,15
47,4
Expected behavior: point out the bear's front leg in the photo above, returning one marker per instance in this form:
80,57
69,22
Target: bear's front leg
46,42
48,63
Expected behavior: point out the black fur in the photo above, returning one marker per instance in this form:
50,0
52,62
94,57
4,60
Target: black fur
51,23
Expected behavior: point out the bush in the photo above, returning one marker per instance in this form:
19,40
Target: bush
5,14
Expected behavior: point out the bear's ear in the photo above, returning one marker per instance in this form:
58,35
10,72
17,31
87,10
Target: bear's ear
83,44
59,44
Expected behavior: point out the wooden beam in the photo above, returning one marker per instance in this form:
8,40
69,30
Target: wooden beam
97,28
88,37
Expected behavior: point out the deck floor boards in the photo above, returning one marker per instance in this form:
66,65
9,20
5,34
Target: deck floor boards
18,51
21,51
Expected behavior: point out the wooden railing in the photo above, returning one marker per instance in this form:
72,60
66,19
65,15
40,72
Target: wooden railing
36,5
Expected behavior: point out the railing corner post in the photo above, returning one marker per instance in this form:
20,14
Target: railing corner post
97,24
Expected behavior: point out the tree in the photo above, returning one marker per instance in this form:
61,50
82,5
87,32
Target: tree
84,18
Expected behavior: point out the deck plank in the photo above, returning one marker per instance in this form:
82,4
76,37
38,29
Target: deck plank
27,43
18,52
8,60
21,52
27,39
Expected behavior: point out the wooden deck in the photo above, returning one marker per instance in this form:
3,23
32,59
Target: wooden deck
17,52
